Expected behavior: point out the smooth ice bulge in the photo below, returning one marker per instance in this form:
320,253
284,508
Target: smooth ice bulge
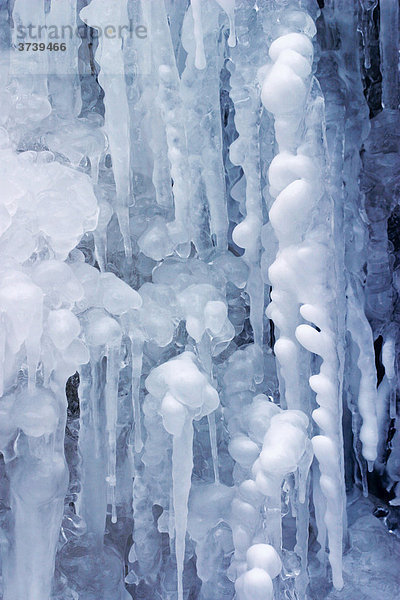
199,300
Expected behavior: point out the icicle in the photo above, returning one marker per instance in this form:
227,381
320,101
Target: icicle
161,169
137,359
200,61
388,360
274,519
303,471
111,402
229,7
326,454
302,520
204,350
182,465
112,79
92,500
173,115
214,446
357,445
319,510
245,151
389,45
162,54
171,518
200,94
100,235
327,447
255,288
392,403
63,78
33,296
94,405
103,335
33,352
179,384
383,416
301,547
367,400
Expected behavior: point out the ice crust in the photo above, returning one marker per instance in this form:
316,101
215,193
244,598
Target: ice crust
199,306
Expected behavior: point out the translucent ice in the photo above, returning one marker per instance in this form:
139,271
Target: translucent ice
199,299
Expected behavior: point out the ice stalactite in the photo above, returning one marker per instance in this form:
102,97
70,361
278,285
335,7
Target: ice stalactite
200,59
347,127
297,189
112,79
367,398
162,54
63,80
169,149
42,337
389,22
205,160
33,91
229,7
137,361
379,199
173,114
92,500
389,362
103,334
386,155
206,317
38,478
173,384
245,151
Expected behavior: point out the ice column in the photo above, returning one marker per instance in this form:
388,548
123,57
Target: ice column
41,349
110,56
299,274
200,93
245,151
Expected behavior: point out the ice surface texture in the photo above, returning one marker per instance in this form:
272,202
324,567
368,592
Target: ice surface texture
199,300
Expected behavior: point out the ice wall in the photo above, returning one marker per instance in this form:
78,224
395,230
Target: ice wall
199,314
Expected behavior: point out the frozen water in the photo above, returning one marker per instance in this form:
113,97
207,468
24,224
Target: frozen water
199,300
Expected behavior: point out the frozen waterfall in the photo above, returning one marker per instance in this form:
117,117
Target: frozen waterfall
199,300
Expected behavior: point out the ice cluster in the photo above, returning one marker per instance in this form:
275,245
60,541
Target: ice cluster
199,300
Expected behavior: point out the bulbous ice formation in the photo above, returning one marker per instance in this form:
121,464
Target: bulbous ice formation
263,565
298,275
185,394
198,299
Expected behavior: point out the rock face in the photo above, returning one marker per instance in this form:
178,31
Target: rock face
199,300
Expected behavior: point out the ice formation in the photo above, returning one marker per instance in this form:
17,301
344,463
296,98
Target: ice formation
199,300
